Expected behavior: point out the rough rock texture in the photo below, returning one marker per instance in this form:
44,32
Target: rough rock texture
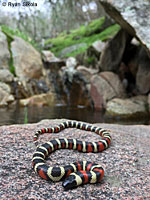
132,107
6,76
112,53
27,61
79,95
134,16
4,52
98,46
5,87
69,71
74,85
104,87
71,62
48,99
149,102
90,58
87,72
5,94
95,50
75,88
48,56
126,162
143,73
72,48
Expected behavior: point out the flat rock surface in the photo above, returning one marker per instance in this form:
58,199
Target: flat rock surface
126,162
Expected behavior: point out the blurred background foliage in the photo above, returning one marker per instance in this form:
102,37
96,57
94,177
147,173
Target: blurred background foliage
49,18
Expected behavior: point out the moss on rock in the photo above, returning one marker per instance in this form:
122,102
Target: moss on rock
96,30
10,33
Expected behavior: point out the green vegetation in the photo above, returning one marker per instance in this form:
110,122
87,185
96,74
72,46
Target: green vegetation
90,29
11,63
10,33
85,34
15,32
90,60
9,40
26,115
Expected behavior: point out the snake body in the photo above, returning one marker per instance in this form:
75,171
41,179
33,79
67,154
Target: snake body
77,173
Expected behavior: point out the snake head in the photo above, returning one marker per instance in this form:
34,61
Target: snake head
70,182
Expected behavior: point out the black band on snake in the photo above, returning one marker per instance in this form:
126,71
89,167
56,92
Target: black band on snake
77,173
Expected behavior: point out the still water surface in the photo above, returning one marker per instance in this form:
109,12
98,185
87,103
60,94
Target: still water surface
20,115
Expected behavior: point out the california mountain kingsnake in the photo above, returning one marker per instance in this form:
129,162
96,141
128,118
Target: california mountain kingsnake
76,173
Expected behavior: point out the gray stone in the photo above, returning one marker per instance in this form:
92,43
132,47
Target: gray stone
143,73
52,65
27,60
134,16
70,70
92,55
48,99
149,102
6,76
135,42
71,62
98,46
112,53
5,98
5,87
86,72
127,108
75,88
72,48
5,94
48,56
4,52
104,87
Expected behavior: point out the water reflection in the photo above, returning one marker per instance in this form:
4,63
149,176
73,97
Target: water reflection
20,115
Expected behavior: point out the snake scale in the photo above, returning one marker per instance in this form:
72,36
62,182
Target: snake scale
76,173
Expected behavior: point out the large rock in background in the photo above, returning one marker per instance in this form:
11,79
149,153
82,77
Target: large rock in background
149,102
6,76
49,57
5,94
51,62
4,52
127,108
86,72
143,73
78,94
104,87
52,66
48,99
92,55
113,51
74,85
72,48
134,16
27,60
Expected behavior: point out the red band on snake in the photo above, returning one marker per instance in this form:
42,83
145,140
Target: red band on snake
77,173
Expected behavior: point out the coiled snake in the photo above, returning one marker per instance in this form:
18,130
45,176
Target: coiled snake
76,173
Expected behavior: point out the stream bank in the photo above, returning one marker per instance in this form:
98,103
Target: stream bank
33,114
